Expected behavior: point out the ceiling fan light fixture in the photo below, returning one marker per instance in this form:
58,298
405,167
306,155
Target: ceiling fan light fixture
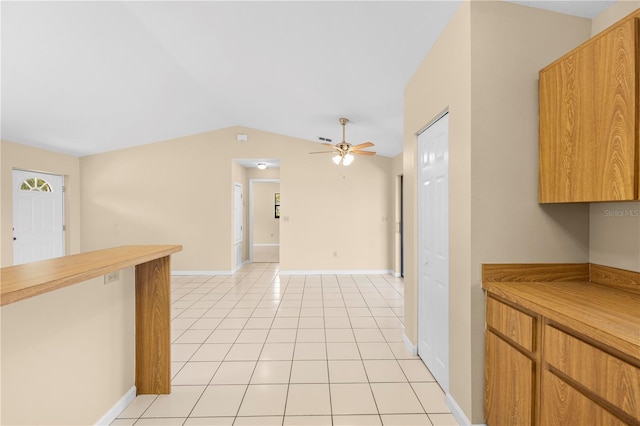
348,159
262,166
343,151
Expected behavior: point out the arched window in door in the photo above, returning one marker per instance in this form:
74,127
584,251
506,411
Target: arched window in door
35,185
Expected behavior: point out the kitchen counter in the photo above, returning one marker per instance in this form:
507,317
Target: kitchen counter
152,298
606,314
560,342
31,279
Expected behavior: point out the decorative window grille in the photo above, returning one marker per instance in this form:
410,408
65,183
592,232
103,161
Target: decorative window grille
35,185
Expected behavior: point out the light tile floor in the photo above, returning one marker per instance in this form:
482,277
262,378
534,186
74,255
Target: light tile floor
259,348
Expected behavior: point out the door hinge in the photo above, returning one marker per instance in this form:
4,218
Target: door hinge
63,188
64,227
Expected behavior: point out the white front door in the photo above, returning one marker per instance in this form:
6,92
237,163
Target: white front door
38,216
433,249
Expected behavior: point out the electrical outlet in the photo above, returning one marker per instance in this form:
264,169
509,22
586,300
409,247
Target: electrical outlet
112,277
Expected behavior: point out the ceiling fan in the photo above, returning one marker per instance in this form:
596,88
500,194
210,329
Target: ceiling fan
344,150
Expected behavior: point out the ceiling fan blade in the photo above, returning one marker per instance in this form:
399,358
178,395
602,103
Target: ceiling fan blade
331,145
322,152
363,145
363,152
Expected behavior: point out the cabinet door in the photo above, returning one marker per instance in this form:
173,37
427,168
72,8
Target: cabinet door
609,378
564,405
588,101
509,378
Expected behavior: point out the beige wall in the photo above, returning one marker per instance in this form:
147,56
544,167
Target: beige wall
179,192
614,13
484,70
15,156
443,82
614,235
68,356
508,49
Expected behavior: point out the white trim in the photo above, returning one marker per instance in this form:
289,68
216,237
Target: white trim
457,412
118,408
202,273
339,272
412,348
239,267
266,245
397,275
432,122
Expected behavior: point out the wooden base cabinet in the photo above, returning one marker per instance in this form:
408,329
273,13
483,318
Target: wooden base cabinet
510,365
562,345
509,384
540,372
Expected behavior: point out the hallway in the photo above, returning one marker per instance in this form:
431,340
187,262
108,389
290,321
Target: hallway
259,348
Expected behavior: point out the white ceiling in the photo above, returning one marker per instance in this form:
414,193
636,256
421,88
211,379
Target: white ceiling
89,77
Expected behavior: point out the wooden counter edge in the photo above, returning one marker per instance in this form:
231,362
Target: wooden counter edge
140,254
620,344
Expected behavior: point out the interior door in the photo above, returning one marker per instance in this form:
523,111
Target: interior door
38,216
433,250
238,223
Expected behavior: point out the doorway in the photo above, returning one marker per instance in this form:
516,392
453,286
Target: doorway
433,249
264,220
401,225
238,223
38,216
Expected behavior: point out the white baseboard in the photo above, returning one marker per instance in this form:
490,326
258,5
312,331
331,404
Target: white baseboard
207,273
118,408
338,272
266,245
284,272
413,349
239,267
457,412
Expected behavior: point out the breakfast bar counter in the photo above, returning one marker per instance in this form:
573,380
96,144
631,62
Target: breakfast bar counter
152,298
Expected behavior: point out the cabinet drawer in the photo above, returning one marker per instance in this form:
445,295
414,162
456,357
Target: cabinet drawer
607,376
512,323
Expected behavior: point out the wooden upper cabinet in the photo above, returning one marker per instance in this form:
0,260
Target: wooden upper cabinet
589,148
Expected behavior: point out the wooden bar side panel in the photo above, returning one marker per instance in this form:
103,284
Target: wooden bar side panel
153,327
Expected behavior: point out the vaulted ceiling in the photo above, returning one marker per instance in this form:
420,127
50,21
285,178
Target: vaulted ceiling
89,77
